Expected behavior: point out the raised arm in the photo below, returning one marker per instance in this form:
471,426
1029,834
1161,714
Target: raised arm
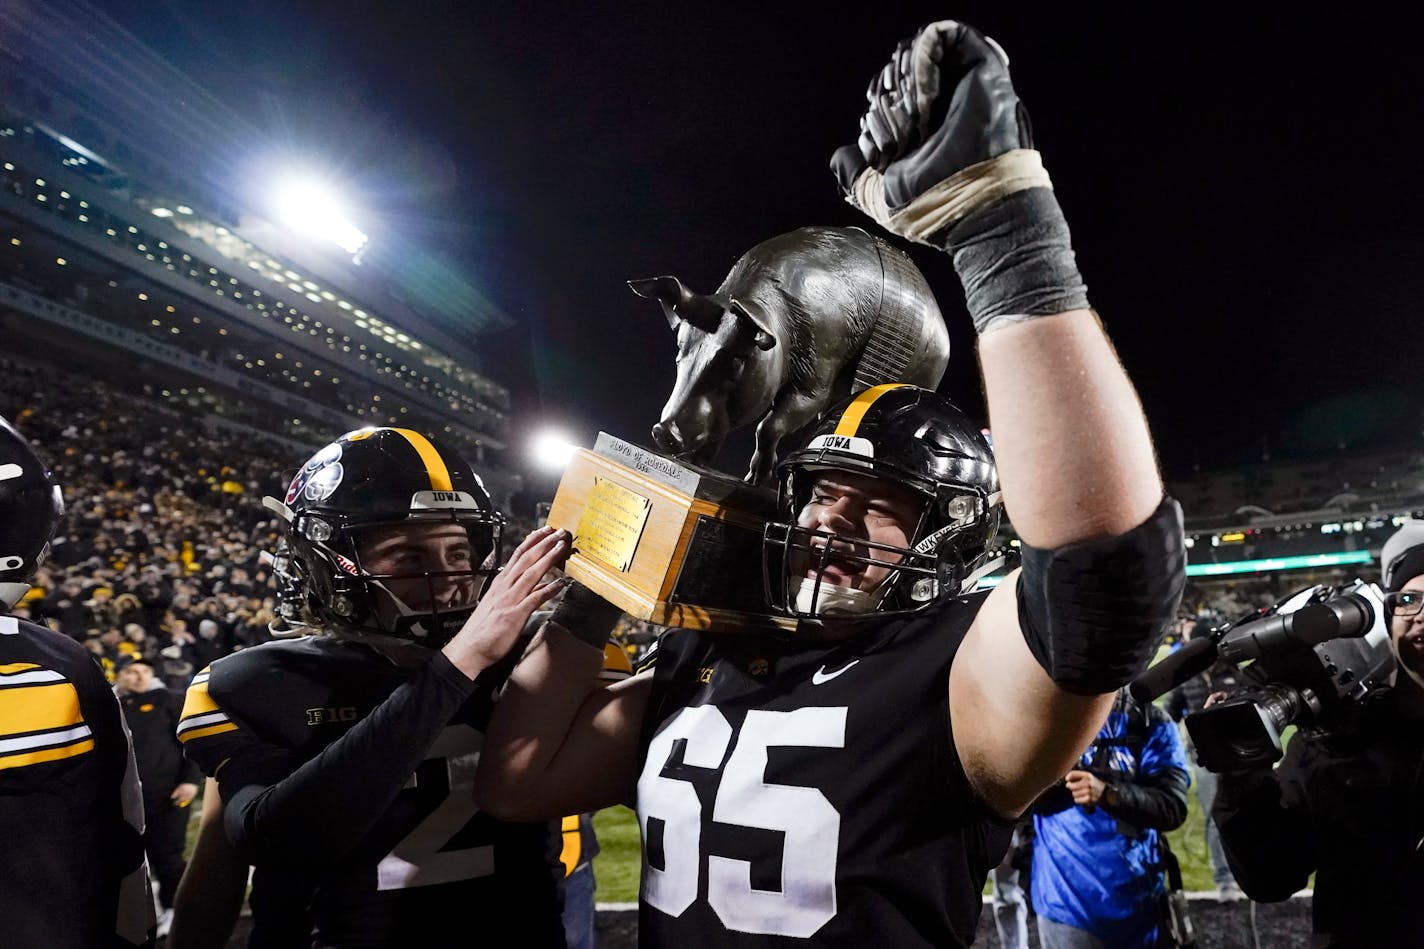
945,158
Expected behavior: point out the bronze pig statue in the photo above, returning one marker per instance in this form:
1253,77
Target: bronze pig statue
802,320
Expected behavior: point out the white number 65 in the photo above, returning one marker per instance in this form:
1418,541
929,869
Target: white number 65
807,898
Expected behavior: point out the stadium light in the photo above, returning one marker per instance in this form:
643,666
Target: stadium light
311,208
551,450
1272,564
1263,565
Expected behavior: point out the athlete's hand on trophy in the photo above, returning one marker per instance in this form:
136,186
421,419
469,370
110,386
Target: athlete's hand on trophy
513,595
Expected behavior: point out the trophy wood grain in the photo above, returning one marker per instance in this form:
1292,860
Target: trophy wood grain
636,589
646,590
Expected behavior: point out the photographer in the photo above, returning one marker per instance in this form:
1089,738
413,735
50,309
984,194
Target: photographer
1099,849
1345,804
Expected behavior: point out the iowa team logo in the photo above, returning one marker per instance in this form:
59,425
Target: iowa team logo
319,477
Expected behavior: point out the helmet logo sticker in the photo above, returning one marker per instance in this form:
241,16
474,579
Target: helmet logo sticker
9,471
324,481
327,456
11,563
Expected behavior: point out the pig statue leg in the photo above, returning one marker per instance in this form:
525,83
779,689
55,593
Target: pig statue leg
788,412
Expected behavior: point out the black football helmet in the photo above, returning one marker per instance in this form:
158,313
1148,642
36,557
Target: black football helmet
915,438
31,505
365,481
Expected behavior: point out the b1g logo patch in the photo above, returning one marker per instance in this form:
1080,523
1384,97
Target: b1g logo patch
331,716
318,477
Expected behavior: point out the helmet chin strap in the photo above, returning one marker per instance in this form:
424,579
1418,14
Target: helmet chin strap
831,600
989,566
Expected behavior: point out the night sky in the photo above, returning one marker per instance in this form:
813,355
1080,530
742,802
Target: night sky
1242,189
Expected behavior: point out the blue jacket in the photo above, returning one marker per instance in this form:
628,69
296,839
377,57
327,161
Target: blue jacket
1100,870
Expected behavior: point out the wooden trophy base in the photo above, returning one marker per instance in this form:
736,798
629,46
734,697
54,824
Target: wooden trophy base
665,541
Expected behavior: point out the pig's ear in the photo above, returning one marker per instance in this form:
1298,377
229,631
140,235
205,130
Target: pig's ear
668,291
753,312
680,303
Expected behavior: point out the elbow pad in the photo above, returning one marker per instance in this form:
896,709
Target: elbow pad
1094,612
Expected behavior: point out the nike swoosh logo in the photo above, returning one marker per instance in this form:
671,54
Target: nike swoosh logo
821,676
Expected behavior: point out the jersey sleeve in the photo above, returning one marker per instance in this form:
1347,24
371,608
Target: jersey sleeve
69,799
281,805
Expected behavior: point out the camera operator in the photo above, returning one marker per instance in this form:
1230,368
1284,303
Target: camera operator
1345,804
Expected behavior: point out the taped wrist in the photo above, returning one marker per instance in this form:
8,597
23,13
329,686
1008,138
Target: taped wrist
1015,260
925,218
1093,613
585,615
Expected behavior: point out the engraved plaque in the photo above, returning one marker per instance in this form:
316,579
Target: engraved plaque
664,540
611,523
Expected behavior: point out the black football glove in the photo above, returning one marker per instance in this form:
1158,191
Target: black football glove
943,106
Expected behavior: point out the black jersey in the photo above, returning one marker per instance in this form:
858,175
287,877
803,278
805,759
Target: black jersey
349,782
809,794
72,869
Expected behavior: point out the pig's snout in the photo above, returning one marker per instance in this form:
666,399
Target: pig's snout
667,436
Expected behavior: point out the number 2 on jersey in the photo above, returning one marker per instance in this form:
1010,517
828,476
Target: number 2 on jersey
811,825
421,857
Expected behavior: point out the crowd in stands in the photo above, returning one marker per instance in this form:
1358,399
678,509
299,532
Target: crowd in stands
160,553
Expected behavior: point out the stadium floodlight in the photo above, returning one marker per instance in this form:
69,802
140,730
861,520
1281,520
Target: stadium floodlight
551,450
310,207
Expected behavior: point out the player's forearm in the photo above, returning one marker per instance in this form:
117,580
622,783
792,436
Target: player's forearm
1073,449
531,726
321,810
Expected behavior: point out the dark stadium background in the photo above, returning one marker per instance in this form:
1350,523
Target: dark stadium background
1240,182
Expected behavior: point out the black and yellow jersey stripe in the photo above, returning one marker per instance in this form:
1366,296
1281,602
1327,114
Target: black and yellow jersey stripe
70,805
40,718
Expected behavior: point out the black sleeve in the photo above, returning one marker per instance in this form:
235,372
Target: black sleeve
324,807
1265,826
125,875
1157,801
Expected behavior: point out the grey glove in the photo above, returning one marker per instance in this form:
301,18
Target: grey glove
942,104
945,157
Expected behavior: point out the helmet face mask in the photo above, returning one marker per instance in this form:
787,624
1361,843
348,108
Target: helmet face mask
397,540
901,441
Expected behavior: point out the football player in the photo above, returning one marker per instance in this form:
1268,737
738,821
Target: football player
71,816
853,784
344,757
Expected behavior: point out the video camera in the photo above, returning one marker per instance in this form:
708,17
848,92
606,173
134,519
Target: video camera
1312,659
